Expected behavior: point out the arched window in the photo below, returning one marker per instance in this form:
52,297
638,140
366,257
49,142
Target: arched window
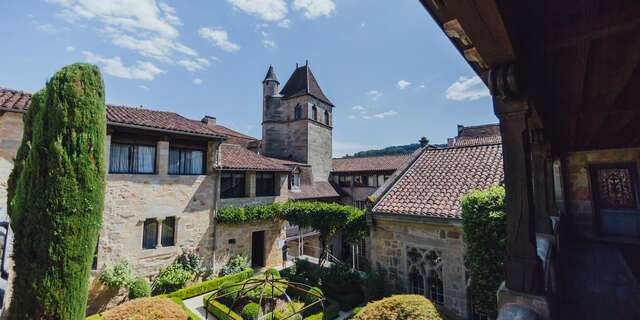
416,283
314,113
297,112
436,287
326,117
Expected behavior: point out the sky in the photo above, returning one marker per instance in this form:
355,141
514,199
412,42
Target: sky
392,74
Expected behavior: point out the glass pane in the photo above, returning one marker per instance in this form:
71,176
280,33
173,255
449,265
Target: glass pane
174,161
119,158
265,184
168,232
150,234
616,188
143,159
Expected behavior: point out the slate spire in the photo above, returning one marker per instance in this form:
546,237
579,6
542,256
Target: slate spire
271,75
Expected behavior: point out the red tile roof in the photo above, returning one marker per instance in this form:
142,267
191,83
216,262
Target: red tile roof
369,164
476,141
19,101
236,157
434,184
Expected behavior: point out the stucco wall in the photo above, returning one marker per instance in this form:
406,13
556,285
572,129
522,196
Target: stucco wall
577,183
10,139
390,241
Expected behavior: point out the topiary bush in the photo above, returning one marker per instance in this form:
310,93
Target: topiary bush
484,226
117,276
235,264
171,278
400,307
251,311
56,195
272,272
139,288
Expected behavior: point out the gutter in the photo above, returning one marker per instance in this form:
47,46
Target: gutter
133,126
417,218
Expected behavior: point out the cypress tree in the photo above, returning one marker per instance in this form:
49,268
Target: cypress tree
56,196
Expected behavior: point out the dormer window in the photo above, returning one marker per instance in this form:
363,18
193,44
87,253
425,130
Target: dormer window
297,113
314,113
326,117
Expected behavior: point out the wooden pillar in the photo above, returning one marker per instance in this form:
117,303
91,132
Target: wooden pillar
539,169
523,271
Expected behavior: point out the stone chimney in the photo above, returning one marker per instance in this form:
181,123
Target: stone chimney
451,142
209,121
424,142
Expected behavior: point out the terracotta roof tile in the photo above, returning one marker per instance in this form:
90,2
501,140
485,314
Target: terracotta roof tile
369,164
476,141
19,101
434,184
236,157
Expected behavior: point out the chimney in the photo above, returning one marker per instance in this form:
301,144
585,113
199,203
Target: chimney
424,142
209,121
451,142
460,127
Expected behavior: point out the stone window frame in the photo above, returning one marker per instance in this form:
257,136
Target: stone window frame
314,113
327,118
297,112
159,230
427,262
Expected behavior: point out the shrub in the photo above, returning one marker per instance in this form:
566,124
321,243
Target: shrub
376,285
139,288
484,226
219,310
171,278
190,261
400,307
267,290
146,308
235,264
210,285
288,311
273,272
251,311
331,311
56,195
117,276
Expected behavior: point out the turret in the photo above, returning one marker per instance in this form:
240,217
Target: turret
270,84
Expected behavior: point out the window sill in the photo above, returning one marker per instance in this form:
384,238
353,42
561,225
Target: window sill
157,251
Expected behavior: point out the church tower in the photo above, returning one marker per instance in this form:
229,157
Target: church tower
297,122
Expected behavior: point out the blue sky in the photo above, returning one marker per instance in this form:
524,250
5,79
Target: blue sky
390,71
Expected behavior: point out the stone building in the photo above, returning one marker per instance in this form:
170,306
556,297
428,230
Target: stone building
416,232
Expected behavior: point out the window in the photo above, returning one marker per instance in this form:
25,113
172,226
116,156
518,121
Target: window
416,283
297,112
150,234
436,287
360,181
168,238
265,184
372,181
294,181
232,185
132,158
326,117
344,181
314,113
186,161
360,204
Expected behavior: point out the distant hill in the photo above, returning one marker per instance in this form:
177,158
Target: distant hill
393,150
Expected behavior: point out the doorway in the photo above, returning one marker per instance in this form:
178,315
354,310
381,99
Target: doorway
615,195
257,249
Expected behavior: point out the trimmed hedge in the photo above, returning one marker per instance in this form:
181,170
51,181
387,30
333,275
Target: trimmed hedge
210,285
250,311
400,307
484,226
331,311
190,314
219,310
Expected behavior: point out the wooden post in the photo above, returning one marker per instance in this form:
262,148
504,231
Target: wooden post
523,270
539,156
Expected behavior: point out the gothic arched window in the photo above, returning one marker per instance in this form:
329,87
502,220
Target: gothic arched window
436,287
326,117
416,283
314,113
297,112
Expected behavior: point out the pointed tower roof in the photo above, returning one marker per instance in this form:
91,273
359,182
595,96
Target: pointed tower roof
271,75
303,82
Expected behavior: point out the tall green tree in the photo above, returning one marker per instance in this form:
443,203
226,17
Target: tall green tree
56,195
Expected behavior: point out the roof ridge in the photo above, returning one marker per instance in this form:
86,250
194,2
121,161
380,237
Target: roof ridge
380,156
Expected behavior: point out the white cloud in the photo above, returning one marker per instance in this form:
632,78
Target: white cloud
197,81
143,70
267,43
374,94
358,108
315,8
70,49
285,23
268,10
170,14
422,86
47,28
214,58
218,38
467,89
158,48
143,87
342,148
194,65
403,84
385,114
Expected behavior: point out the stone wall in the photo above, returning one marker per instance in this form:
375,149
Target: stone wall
391,239
10,139
577,183
234,239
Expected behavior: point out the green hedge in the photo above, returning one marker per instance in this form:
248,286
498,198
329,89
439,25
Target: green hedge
219,310
210,285
484,226
190,314
331,311
238,215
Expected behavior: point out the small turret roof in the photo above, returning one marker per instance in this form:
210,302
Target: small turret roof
271,75
302,82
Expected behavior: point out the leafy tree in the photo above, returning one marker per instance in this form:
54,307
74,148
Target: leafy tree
56,195
484,225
